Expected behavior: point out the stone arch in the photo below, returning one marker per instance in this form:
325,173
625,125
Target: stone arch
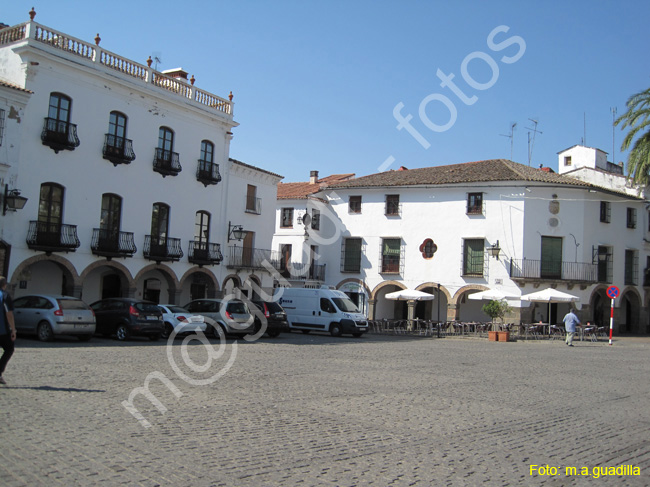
109,263
373,294
173,284
200,270
235,279
127,284
434,285
355,281
629,312
464,289
253,283
598,306
73,288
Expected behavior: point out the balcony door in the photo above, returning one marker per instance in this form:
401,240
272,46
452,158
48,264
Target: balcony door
248,250
58,115
109,223
116,133
165,146
159,228
551,262
50,215
201,234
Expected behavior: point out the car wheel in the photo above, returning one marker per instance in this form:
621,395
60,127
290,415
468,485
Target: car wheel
273,333
154,338
306,332
335,330
357,335
122,332
169,329
84,338
44,332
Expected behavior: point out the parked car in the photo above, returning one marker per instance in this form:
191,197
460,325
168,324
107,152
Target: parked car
50,315
276,318
235,319
176,318
126,317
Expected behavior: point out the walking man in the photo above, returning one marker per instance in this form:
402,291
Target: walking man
570,323
7,326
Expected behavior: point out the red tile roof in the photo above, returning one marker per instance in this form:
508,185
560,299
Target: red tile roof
295,191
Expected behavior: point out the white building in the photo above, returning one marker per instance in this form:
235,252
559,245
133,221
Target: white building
434,229
127,173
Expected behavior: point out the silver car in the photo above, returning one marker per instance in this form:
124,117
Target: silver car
51,315
233,318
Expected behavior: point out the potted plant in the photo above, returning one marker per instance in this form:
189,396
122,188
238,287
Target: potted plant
497,309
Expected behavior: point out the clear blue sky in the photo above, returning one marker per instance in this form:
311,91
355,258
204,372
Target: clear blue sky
316,82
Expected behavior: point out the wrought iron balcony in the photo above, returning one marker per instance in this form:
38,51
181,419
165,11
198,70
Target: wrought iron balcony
118,150
306,271
52,237
250,258
162,249
166,162
112,243
59,135
208,172
532,270
204,253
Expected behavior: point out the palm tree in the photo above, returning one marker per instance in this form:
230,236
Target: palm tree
637,117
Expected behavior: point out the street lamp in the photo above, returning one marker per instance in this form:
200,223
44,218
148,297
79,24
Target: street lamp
236,232
12,200
494,250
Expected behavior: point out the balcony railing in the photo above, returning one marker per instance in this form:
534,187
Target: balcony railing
162,249
253,205
109,62
59,135
250,258
208,172
553,270
118,150
52,237
112,243
166,162
204,253
306,271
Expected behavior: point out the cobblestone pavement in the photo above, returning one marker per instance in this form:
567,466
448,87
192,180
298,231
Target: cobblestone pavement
315,410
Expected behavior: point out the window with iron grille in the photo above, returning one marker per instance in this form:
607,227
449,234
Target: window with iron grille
605,212
287,218
391,250
473,256
2,125
602,256
475,203
631,218
354,204
392,205
351,254
631,267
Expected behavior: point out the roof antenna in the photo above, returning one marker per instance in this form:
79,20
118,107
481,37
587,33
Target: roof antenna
531,145
157,58
511,136
613,109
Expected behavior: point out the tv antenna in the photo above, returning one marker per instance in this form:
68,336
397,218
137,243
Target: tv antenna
531,144
157,58
511,137
613,109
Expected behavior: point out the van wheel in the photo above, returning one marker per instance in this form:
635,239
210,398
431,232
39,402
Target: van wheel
44,332
335,330
168,330
306,332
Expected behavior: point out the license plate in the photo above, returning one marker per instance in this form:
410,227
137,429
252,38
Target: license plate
363,329
152,318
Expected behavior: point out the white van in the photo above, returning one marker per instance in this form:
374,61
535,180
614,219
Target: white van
322,309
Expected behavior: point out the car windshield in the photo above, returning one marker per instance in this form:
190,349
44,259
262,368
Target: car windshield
345,304
72,304
176,309
147,307
237,307
274,307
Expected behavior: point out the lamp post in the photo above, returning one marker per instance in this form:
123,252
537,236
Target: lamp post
12,200
235,232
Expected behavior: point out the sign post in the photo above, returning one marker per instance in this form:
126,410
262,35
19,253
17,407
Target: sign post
612,292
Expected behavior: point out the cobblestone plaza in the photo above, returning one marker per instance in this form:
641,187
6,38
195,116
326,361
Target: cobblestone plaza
315,410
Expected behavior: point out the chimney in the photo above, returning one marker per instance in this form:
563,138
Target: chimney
313,177
176,73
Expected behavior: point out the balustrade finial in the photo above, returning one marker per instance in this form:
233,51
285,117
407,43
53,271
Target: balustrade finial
230,96
32,14
149,61
97,39
192,80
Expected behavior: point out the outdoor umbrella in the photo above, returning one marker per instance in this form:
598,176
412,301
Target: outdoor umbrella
492,295
410,295
549,295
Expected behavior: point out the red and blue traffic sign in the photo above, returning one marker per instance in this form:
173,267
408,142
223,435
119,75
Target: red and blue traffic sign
612,292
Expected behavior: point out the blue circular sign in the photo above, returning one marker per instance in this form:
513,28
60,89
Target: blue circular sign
612,292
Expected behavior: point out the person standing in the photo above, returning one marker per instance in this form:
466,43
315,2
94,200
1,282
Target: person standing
7,327
570,323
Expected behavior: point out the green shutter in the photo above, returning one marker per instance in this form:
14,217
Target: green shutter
551,264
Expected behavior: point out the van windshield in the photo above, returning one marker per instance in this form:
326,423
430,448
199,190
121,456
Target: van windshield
345,305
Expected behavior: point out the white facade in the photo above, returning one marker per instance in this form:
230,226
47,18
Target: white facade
170,204
578,224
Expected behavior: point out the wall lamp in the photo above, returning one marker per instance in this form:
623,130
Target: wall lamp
236,232
494,250
12,200
306,220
